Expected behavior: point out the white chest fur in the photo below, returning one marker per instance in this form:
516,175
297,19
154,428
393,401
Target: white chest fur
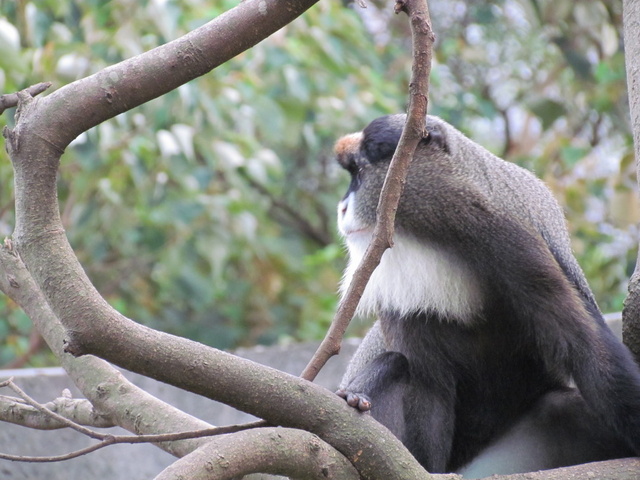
414,277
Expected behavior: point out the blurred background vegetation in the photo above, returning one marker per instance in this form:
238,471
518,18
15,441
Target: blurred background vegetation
209,212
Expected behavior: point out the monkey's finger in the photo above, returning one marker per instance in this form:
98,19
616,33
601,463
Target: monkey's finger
359,401
364,405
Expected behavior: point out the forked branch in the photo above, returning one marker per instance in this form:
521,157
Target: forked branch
10,100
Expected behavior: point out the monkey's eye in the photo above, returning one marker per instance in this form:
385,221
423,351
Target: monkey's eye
352,163
356,175
353,168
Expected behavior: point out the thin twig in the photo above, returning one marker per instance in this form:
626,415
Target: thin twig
10,100
107,439
17,411
414,131
57,458
59,418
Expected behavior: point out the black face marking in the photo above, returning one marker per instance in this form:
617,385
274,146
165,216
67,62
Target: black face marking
352,166
356,179
381,137
349,161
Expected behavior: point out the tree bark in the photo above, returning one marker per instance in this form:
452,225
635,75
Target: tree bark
631,23
81,411
624,469
93,327
278,451
105,387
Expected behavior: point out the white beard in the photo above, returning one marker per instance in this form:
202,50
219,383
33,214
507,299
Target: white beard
412,276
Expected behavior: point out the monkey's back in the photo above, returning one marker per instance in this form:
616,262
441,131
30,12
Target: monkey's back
517,192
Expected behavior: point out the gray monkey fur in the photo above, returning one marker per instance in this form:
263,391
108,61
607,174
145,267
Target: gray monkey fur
371,346
534,443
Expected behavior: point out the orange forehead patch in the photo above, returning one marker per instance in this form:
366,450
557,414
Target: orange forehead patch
349,144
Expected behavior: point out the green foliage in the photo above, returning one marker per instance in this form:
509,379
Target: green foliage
209,212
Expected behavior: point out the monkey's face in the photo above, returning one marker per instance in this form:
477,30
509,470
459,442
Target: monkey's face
366,156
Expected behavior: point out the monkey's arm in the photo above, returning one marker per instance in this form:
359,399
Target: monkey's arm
393,393
372,346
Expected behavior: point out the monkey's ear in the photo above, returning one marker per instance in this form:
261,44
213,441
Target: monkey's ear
435,137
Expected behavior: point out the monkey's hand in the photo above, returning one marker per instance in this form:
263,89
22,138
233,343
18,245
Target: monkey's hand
355,400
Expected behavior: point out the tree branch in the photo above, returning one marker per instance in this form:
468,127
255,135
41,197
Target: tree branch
81,411
47,411
44,127
106,388
142,78
621,469
106,439
55,120
278,451
414,131
95,328
631,24
55,458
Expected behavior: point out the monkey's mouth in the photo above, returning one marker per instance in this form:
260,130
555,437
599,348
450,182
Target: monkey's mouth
358,231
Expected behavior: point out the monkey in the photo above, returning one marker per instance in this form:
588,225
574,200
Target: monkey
489,341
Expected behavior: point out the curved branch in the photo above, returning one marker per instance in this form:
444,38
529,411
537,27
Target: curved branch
106,388
93,327
56,458
106,439
90,101
278,451
43,129
47,411
53,121
414,131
